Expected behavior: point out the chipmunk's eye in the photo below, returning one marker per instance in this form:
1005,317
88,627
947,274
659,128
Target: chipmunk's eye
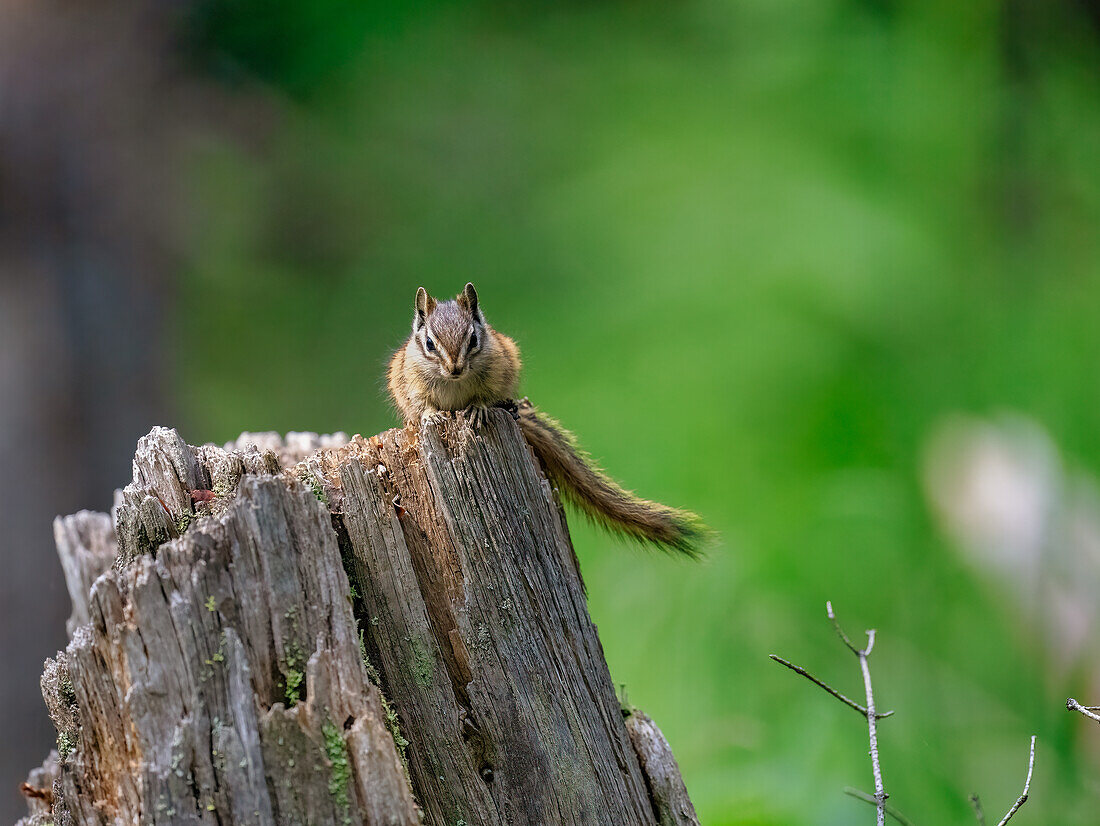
429,344
473,340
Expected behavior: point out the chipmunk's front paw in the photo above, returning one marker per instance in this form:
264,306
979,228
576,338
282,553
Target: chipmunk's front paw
476,415
511,405
432,416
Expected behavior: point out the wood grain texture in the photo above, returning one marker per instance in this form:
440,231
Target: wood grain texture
229,667
86,546
476,613
666,786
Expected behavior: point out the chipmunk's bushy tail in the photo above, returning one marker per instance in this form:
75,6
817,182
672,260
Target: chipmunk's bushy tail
584,485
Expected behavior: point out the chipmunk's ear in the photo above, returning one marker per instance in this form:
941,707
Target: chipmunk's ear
468,299
424,305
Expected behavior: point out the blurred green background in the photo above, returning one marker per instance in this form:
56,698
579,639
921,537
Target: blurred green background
756,255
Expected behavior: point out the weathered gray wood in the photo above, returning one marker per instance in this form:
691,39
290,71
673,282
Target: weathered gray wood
666,786
224,670
476,614
219,678
87,547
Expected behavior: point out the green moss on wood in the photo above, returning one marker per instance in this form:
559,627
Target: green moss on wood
294,679
314,484
182,521
294,672
392,721
65,689
340,767
423,666
65,744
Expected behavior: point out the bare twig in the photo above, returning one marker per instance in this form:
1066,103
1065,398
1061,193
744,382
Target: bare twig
1022,799
797,669
872,716
840,631
979,813
878,799
867,711
872,728
1088,711
870,798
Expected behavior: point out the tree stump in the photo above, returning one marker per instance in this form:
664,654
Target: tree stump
381,631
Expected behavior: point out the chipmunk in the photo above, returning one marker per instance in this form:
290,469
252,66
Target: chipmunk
455,361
